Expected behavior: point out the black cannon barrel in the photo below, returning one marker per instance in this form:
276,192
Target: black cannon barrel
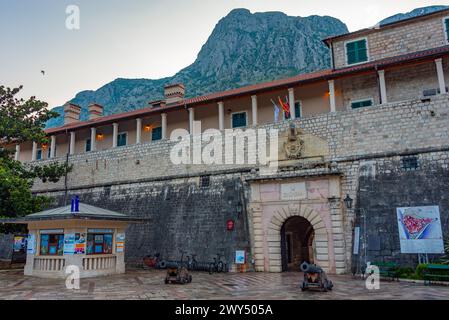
310,268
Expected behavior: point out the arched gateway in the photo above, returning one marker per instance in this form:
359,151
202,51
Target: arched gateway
297,220
297,243
302,237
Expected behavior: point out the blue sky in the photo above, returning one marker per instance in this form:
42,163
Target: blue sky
135,38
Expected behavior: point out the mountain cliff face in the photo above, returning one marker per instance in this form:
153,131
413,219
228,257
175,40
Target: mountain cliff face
414,13
244,48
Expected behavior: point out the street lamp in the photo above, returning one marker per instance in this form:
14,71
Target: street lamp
348,201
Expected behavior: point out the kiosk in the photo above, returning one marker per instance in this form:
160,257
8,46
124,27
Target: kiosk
90,238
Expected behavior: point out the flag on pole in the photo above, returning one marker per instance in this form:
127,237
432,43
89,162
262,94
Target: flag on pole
276,111
284,106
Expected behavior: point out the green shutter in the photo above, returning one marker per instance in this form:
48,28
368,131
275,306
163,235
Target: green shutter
361,104
88,145
356,51
297,110
121,140
156,134
239,120
447,28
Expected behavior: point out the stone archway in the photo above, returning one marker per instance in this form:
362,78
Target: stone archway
274,235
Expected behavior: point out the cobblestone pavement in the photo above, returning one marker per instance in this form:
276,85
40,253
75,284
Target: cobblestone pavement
144,284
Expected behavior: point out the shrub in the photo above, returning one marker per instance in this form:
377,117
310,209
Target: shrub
420,270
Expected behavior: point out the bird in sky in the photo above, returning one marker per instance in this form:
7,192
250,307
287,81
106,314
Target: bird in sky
43,72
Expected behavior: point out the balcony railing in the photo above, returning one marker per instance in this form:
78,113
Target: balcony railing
52,264
99,263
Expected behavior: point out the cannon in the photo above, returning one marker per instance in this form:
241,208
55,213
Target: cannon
314,278
177,272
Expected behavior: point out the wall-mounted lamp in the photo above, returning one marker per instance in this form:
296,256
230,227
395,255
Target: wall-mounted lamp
148,128
44,146
348,201
100,137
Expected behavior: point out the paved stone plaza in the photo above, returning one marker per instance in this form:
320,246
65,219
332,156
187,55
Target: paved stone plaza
143,284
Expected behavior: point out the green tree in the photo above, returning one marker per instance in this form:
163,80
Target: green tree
23,120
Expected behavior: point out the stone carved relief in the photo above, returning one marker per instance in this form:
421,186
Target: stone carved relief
295,144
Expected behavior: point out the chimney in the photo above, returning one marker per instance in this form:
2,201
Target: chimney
174,93
157,104
95,111
71,113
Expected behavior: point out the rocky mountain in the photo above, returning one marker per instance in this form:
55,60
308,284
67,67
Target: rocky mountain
244,48
414,13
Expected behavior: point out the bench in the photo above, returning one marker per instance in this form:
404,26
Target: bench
387,269
436,272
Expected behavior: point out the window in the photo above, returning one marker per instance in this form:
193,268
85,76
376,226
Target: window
88,145
39,154
410,163
361,103
239,119
297,111
52,244
99,243
356,51
122,139
446,28
204,181
156,134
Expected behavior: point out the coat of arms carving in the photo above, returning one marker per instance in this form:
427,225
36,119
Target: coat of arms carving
294,145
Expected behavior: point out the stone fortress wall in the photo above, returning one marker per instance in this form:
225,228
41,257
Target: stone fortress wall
366,147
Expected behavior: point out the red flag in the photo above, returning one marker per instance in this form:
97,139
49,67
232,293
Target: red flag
284,106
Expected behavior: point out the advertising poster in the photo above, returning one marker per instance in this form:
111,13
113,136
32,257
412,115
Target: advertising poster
120,242
20,244
420,229
69,243
240,256
31,247
80,243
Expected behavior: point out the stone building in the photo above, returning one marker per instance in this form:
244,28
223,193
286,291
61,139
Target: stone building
373,128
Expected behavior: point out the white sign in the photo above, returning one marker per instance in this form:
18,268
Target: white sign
293,191
240,256
356,240
420,229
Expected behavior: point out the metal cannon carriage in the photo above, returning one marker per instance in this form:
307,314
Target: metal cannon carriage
314,278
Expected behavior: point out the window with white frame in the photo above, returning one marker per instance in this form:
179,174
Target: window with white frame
88,146
362,103
156,134
239,119
446,28
356,51
39,154
122,139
